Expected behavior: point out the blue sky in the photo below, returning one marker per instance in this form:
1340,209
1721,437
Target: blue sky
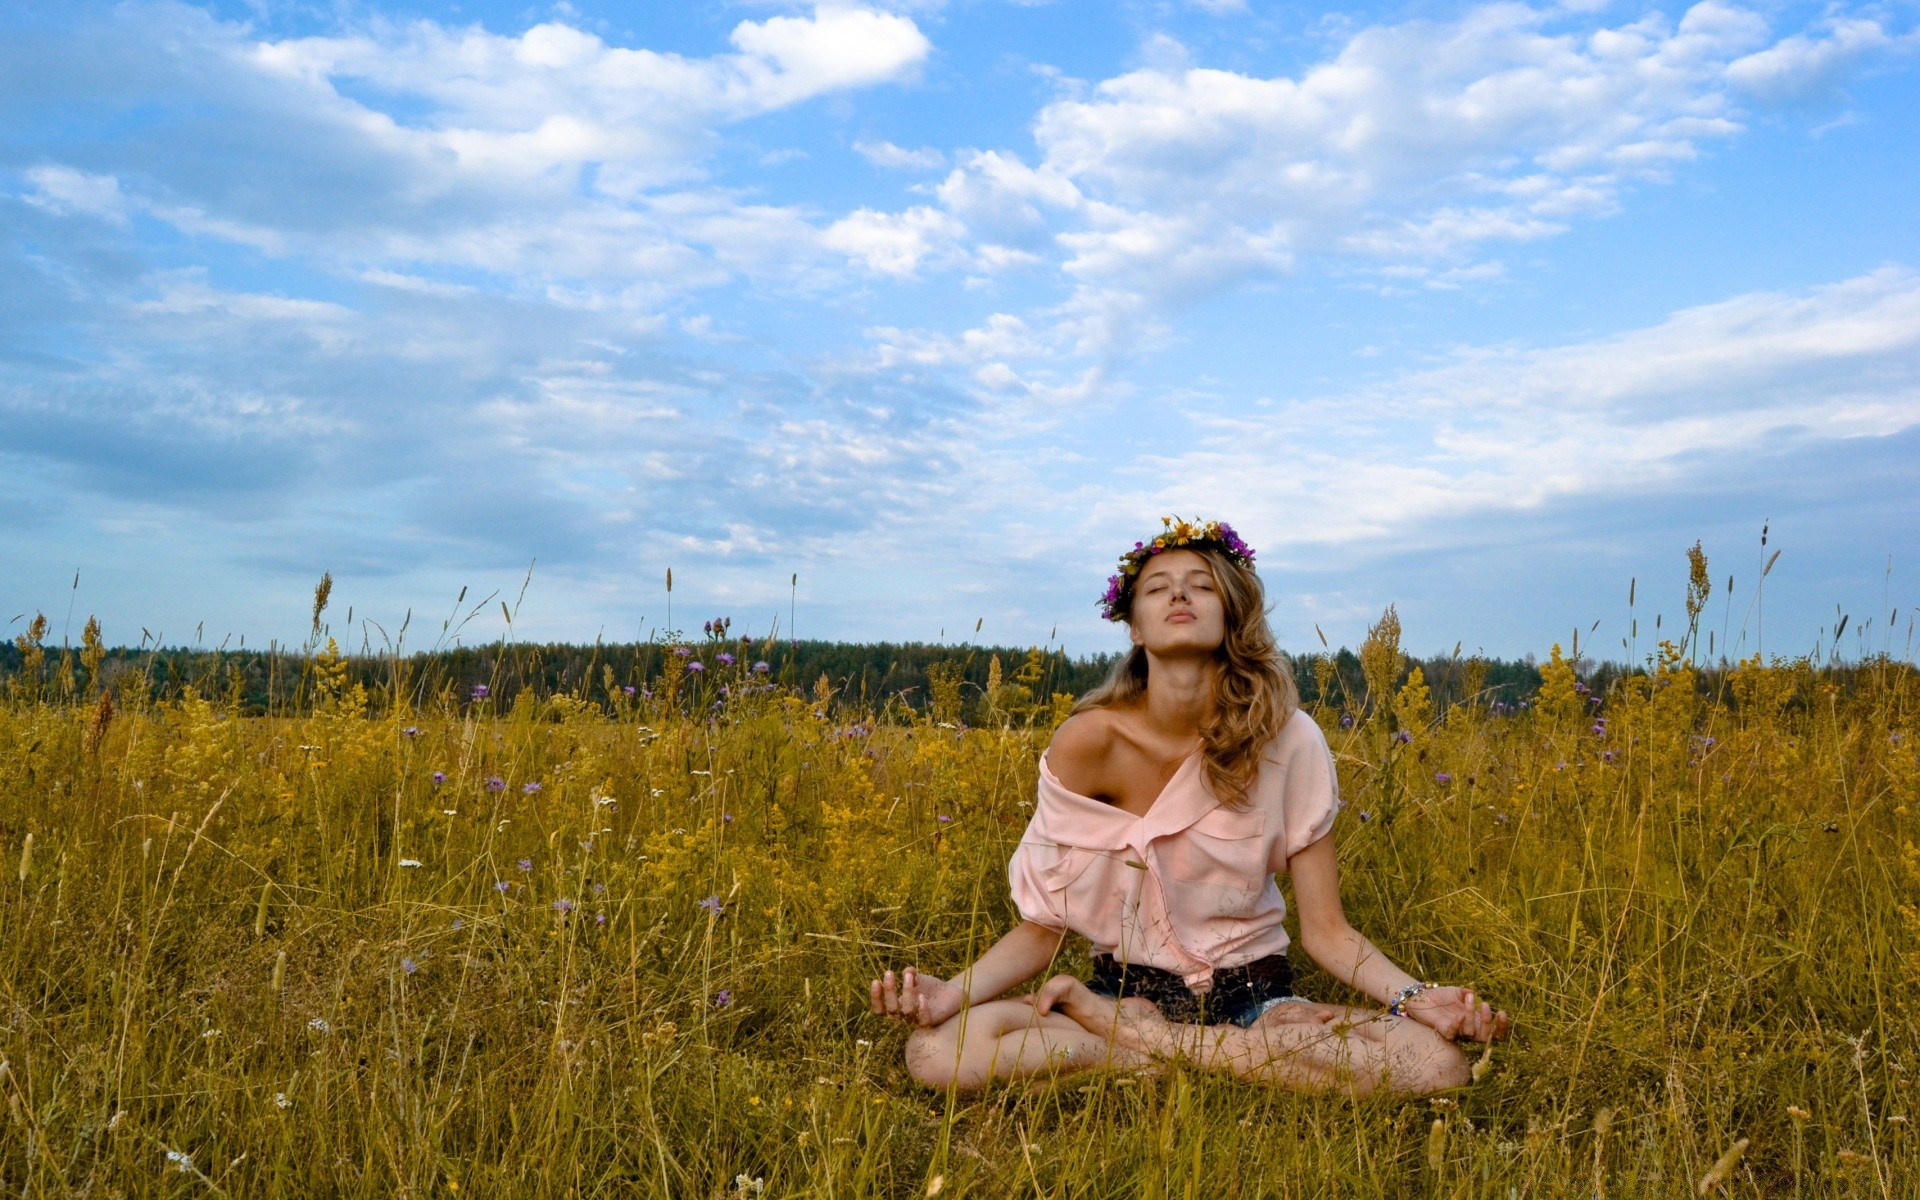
1484,310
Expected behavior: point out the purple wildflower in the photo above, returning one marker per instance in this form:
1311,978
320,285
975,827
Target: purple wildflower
599,889
627,690
1346,720
501,885
761,668
944,819
713,906
529,789
480,691
411,731
1365,816
722,998
1598,728
1402,737
726,818
696,666
599,918
1607,757
1441,777
496,784
439,777
408,965
563,905
525,864
725,659
682,652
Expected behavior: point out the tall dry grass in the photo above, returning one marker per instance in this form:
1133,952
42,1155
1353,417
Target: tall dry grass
615,945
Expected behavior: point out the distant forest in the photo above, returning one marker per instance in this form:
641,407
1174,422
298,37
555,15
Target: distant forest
970,683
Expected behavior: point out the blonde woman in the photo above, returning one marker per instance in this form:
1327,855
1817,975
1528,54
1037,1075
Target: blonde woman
1167,803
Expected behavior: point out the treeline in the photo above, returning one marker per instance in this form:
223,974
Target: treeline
960,684
964,683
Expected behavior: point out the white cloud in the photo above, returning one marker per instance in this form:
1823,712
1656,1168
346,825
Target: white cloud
1506,430
1413,149
886,154
893,243
67,192
1805,65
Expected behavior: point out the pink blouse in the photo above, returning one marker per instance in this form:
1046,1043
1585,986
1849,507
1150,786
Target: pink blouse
1188,887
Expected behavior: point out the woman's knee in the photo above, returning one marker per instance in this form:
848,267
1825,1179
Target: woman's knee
1428,1062
933,1055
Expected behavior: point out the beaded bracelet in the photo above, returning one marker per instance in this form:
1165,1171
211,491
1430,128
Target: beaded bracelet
1398,1007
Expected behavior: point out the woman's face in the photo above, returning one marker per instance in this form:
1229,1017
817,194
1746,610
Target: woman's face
1177,606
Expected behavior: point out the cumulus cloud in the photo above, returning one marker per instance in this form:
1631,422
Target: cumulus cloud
1415,150
893,243
546,157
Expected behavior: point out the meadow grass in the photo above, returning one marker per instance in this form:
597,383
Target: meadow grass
612,945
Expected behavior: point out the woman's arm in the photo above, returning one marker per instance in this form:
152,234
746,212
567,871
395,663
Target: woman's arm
1347,955
1025,951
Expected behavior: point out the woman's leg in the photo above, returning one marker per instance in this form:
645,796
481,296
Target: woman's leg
1008,1040
1353,1050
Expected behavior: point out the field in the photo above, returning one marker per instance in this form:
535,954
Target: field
613,944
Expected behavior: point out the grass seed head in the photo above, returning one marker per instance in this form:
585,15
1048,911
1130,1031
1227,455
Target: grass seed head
1723,1167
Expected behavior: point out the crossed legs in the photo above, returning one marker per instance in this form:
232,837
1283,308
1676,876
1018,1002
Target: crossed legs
1308,1048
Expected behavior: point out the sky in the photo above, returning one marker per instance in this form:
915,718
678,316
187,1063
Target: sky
901,320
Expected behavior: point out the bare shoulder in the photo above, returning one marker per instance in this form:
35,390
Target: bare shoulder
1300,735
1082,748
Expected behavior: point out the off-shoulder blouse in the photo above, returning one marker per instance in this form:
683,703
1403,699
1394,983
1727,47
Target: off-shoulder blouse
1189,887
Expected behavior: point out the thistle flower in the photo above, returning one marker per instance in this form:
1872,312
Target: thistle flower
496,784
713,906
480,691
529,789
696,666
725,659
439,777
761,668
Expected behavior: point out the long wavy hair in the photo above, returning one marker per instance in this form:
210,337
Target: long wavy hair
1253,692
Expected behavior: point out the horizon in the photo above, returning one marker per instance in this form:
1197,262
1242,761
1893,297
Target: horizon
1485,310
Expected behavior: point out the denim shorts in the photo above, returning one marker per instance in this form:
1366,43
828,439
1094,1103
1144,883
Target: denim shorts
1239,996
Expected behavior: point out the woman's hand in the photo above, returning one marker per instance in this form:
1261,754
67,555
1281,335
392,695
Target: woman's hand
1456,1013
917,999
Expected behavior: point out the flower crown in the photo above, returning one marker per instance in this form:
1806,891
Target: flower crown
1180,534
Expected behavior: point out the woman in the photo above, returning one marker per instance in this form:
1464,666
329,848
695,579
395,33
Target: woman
1166,804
